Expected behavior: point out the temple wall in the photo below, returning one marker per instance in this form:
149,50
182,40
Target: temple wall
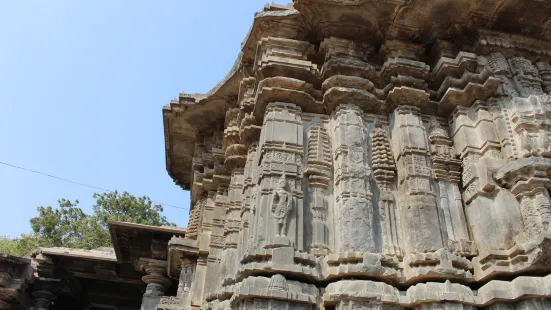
395,179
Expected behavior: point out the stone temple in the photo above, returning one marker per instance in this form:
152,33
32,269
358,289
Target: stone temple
361,154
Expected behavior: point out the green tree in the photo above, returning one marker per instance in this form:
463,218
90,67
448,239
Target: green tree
9,245
68,226
113,206
24,245
64,226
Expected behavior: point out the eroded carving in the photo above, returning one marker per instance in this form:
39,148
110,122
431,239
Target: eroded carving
281,206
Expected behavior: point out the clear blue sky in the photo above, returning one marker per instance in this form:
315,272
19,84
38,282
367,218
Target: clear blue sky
82,86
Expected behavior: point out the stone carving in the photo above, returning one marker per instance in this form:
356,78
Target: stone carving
419,214
169,301
528,119
281,206
498,104
186,277
544,70
155,277
319,170
319,156
526,77
447,172
194,222
385,140
44,293
373,139
249,201
279,193
352,187
498,64
384,169
320,213
278,282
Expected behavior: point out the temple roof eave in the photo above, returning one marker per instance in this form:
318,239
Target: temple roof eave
370,22
120,239
191,114
79,253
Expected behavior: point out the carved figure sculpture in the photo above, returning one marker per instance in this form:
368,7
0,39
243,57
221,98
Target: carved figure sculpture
281,206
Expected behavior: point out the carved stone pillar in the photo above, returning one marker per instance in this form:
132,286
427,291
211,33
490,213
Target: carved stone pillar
249,200
201,280
356,231
236,157
497,105
422,230
214,242
384,172
447,172
319,170
156,280
249,132
492,212
44,293
420,224
279,214
229,259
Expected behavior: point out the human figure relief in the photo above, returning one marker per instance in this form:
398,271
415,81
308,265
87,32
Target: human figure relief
281,206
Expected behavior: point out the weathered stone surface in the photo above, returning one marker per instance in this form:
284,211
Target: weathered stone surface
395,142
16,274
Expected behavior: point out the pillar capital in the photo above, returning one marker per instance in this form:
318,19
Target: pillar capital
155,278
44,293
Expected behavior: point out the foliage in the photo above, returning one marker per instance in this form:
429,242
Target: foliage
124,207
113,206
22,246
68,226
64,226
